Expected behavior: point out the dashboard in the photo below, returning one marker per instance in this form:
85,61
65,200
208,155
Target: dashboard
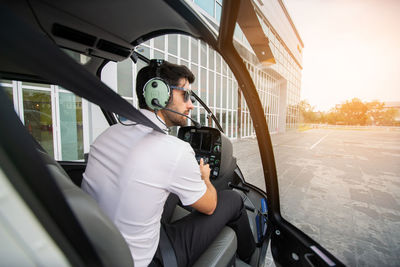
216,150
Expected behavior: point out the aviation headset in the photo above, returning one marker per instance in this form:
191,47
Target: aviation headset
156,90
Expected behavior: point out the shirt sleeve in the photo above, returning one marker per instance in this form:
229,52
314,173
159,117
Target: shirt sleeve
186,180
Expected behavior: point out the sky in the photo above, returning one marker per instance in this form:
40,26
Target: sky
351,49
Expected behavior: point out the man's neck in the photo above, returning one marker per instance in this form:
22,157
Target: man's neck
160,115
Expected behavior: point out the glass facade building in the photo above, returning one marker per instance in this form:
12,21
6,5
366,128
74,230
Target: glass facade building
66,125
278,85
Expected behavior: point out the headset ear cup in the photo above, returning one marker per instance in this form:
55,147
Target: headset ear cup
156,88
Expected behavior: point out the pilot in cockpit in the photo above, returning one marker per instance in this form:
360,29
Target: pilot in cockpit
138,175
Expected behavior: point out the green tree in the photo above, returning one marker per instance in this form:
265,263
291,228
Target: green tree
354,112
307,113
334,116
375,113
388,117
320,117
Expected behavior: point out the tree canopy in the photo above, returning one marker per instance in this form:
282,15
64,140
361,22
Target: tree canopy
351,112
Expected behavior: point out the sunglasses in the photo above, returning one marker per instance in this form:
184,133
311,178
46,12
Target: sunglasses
188,93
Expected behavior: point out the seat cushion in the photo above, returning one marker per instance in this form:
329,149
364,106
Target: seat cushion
221,252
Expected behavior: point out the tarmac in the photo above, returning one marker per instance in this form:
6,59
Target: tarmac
339,186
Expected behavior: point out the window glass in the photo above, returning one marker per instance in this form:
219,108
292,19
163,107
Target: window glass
211,88
25,84
206,5
234,124
158,55
9,92
224,67
203,117
229,90
173,59
203,85
211,59
218,63
53,116
173,44
3,82
194,50
229,124
217,114
218,11
184,62
184,47
124,78
193,115
143,50
97,123
38,117
173,130
230,74
223,120
238,33
195,70
203,54
139,65
159,42
71,126
218,90
224,92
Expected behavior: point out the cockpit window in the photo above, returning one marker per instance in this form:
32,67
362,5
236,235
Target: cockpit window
214,83
61,122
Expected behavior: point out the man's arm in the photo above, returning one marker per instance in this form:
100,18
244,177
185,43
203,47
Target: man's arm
208,202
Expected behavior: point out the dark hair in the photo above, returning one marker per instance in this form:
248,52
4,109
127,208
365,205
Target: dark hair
170,73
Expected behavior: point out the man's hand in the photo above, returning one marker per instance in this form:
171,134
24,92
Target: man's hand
208,202
205,171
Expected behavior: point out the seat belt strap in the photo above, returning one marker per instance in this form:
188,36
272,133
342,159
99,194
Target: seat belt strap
167,251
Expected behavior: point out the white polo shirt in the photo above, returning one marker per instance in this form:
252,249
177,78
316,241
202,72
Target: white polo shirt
131,171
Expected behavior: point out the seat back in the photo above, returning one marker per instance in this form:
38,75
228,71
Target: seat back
102,233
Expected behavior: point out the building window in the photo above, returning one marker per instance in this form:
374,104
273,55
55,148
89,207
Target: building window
218,11
37,116
124,78
206,5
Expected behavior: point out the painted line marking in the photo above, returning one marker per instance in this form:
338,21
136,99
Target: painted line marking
319,141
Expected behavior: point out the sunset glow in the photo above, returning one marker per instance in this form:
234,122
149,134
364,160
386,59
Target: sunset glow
351,50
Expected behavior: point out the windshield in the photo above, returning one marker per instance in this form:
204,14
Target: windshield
335,181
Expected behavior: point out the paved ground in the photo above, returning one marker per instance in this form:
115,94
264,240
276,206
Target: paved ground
341,187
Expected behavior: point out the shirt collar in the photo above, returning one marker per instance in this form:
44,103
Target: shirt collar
152,116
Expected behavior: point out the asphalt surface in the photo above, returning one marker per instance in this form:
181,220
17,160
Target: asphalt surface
341,187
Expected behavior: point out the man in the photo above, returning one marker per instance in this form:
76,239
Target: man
132,170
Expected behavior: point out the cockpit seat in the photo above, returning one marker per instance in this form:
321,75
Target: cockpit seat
102,233
108,241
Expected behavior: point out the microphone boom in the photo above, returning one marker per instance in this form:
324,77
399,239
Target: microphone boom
156,103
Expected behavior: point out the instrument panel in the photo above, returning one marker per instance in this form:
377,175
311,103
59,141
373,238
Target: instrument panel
206,143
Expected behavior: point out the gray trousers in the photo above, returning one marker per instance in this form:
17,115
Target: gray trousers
191,235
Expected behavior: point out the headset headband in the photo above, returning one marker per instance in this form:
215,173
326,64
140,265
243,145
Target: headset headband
156,63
